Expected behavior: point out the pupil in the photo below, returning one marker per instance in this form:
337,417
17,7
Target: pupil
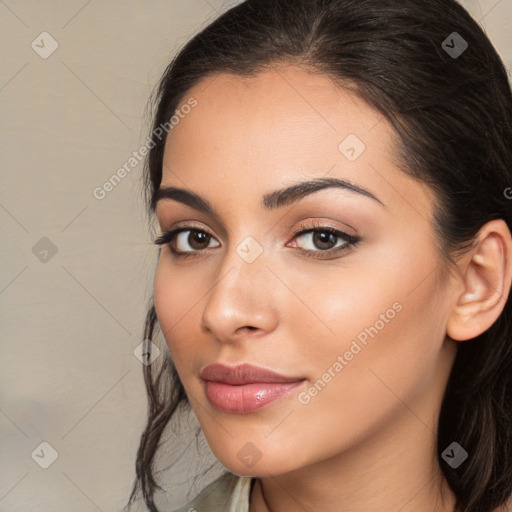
319,239
198,236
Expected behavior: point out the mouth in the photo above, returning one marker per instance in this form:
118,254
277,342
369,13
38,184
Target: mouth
245,388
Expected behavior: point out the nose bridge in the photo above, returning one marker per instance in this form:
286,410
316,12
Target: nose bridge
240,296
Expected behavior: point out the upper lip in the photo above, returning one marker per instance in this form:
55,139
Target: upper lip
242,374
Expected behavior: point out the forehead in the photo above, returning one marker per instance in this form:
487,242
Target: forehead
249,135
274,119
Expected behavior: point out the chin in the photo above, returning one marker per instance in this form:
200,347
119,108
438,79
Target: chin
259,470
248,462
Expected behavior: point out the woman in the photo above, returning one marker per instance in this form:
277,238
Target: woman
335,264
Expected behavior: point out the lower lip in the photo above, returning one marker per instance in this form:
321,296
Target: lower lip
246,397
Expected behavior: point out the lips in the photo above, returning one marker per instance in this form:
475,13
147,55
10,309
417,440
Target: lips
245,388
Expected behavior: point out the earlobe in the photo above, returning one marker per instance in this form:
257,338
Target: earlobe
486,273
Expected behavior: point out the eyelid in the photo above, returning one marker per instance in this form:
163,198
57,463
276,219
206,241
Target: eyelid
315,224
185,225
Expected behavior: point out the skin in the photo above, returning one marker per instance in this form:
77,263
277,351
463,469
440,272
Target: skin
367,440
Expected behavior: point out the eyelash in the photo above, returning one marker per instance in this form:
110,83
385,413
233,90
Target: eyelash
168,237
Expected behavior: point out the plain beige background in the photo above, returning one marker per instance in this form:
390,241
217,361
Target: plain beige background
71,319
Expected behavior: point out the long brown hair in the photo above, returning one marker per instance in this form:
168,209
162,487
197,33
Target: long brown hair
453,114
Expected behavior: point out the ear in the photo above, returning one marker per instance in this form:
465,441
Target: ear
486,279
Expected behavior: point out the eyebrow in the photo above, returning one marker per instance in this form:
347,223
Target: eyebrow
270,201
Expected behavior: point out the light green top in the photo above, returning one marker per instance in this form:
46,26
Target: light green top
228,493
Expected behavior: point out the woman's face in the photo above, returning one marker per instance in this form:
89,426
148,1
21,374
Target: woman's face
357,321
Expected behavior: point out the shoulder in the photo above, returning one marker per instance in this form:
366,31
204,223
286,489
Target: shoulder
229,492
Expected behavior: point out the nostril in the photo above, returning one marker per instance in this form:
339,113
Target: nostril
251,331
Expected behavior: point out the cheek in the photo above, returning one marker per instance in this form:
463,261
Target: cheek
177,303
386,315
386,362
390,290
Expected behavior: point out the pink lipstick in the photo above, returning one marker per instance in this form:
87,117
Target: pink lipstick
245,388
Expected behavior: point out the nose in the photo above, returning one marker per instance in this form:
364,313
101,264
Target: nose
240,303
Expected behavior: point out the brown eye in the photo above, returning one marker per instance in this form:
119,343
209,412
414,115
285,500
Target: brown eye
323,239
196,239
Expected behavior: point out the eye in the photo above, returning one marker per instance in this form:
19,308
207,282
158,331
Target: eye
324,241
178,239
